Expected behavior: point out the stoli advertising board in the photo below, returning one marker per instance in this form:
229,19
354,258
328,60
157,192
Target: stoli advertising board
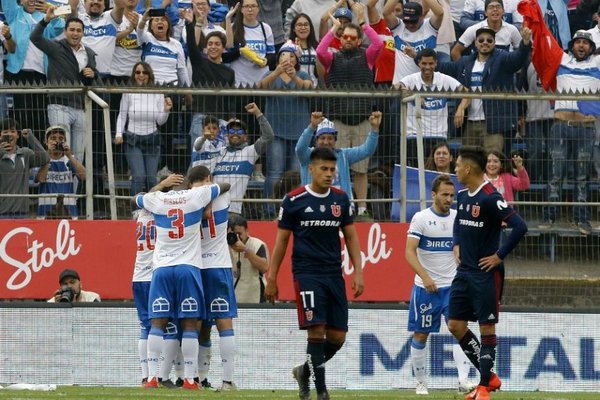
34,252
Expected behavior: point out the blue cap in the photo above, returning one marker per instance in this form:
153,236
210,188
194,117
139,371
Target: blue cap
326,127
343,13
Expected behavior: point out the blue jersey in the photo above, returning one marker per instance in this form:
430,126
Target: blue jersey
478,223
315,220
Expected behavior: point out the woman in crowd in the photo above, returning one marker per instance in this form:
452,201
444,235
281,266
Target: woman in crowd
140,115
500,173
302,33
440,159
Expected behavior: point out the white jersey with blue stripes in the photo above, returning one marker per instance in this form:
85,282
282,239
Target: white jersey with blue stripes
100,35
215,250
178,215
235,168
577,76
434,232
145,232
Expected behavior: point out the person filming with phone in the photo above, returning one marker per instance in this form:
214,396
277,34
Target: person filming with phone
250,260
70,289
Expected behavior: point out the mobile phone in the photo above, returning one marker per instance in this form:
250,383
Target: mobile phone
62,10
157,12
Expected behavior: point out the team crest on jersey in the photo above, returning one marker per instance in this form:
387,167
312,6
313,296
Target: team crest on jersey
444,226
309,315
336,210
322,208
475,211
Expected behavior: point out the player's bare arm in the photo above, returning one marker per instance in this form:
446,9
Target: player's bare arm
168,182
353,246
490,262
456,251
281,243
413,261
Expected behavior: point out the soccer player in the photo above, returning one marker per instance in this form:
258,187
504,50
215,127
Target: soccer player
477,287
176,287
315,213
219,291
429,253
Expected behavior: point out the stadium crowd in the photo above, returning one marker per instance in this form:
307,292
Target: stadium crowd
369,45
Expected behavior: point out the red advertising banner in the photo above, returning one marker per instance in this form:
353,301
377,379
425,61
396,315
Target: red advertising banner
34,252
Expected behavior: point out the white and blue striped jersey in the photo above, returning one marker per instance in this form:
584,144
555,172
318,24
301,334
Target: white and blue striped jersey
100,35
577,76
61,178
166,57
477,9
127,51
434,110
424,37
476,108
178,215
235,168
215,250
507,38
145,233
246,71
434,252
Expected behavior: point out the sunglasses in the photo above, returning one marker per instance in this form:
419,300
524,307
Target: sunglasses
486,40
236,131
349,37
141,72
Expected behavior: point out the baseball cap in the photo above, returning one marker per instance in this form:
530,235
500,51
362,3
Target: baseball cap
68,273
326,126
290,47
581,34
343,12
53,128
488,2
485,29
236,122
412,12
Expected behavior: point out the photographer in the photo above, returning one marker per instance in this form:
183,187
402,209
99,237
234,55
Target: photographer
70,289
15,163
61,175
249,257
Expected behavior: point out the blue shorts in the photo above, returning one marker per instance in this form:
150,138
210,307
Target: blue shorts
141,293
426,309
219,293
475,295
176,292
321,300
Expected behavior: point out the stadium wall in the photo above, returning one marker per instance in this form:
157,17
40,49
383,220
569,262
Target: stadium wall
97,345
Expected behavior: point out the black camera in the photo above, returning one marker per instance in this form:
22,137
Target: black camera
5,139
157,12
60,146
232,238
66,294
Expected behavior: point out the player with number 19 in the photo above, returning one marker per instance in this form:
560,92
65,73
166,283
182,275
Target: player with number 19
315,213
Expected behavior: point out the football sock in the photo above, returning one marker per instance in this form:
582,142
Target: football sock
362,210
463,365
189,349
179,364
471,347
329,349
155,345
488,355
316,363
143,352
204,353
418,356
227,348
169,354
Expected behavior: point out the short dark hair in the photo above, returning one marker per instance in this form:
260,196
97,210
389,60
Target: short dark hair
70,20
359,31
323,154
197,174
218,34
426,52
442,179
236,220
209,119
7,124
475,154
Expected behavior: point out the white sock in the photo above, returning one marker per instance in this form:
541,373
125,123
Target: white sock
418,356
189,349
155,345
179,364
463,365
227,348
169,354
204,354
143,352
362,210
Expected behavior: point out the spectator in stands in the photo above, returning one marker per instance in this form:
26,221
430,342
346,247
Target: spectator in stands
384,66
440,159
127,50
340,12
270,13
61,175
434,110
556,17
140,115
573,133
352,68
9,44
500,172
236,161
475,11
65,67
208,146
507,35
326,134
171,9
71,291
490,122
286,116
250,260
15,163
26,65
302,33
198,14
315,9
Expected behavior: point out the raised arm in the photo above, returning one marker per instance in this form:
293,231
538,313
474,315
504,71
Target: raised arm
389,15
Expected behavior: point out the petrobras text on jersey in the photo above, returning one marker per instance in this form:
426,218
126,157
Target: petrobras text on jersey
376,250
320,222
467,222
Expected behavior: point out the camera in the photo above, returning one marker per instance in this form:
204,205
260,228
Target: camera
60,146
66,294
157,12
232,238
5,139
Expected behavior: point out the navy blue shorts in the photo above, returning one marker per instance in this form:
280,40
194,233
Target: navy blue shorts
321,300
475,295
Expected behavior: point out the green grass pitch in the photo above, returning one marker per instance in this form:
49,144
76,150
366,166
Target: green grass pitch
112,393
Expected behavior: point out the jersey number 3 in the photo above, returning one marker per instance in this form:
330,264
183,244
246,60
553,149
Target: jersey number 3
177,225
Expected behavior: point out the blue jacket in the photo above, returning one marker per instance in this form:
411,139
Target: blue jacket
345,158
498,75
21,24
